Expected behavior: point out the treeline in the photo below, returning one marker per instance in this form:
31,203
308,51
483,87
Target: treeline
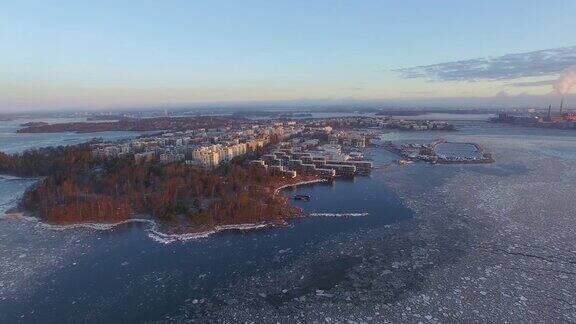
48,161
136,124
79,188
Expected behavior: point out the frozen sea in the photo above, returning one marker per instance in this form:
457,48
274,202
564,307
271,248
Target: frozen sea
417,243
12,142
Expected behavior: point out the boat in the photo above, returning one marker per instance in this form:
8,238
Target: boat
302,197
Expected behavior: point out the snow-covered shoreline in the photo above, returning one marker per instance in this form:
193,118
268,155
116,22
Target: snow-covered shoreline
12,177
338,214
153,232
277,190
171,238
159,236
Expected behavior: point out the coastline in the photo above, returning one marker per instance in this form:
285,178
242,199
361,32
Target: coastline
154,231
360,214
13,177
296,184
160,236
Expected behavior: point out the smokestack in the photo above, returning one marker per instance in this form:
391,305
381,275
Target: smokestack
561,105
549,113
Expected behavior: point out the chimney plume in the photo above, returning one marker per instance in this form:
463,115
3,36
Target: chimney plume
566,81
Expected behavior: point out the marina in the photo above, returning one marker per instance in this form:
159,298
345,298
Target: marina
440,151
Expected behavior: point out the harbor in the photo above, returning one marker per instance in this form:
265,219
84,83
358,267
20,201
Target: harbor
441,152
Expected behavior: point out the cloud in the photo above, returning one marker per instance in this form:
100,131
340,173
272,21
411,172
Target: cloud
533,83
507,67
417,92
353,88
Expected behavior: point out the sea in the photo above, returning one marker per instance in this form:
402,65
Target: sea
129,273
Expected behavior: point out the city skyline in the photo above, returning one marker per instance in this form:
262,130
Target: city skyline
110,55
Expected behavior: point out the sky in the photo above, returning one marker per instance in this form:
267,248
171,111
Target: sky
149,53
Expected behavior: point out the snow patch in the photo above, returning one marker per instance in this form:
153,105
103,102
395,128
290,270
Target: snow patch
338,214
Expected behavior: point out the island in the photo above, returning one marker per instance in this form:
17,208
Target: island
34,124
226,175
197,174
133,124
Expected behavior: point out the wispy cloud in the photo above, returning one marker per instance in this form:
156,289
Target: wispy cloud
533,83
507,67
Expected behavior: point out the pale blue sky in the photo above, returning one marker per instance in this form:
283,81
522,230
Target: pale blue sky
102,54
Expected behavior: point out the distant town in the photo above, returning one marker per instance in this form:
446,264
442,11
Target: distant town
310,146
549,119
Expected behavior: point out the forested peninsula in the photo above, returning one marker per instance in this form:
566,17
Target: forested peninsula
77,187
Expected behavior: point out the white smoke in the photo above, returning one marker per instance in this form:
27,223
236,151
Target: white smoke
566,81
